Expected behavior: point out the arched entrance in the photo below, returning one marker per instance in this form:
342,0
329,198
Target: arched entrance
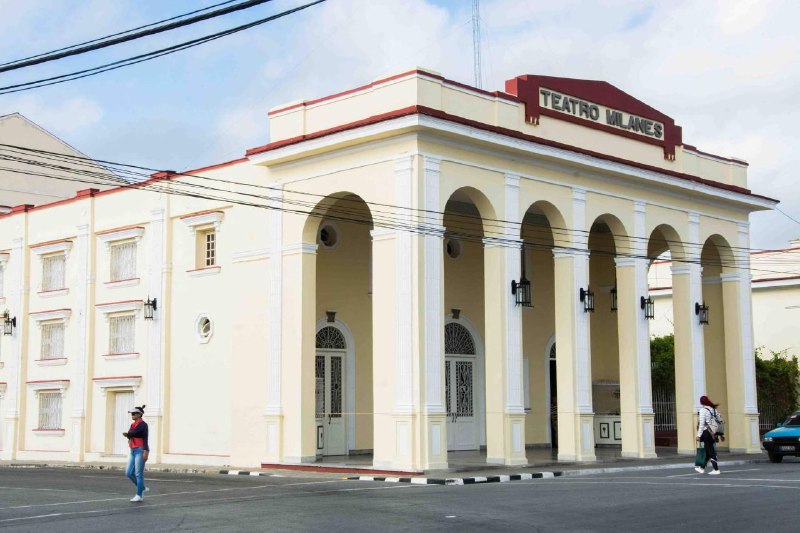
463,369
329,376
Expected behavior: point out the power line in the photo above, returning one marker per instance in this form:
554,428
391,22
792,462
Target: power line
472,227
109,40
54,80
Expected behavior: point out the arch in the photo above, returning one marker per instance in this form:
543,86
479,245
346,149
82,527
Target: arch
726,259
665,238
469,223
618,232
457,339
351,206
481,372
350,373
555,219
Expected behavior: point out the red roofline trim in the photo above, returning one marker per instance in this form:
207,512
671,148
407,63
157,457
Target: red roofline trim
435,113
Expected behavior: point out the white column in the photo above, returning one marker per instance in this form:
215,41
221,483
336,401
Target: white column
158,270
273,411
15,282
84,281
434,434
404,385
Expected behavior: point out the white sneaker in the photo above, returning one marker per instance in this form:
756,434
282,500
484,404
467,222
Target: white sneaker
147,489
137,498
700,470
714,473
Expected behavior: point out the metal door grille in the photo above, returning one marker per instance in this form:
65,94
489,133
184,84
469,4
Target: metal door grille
336,387
447,385
464,388
319,389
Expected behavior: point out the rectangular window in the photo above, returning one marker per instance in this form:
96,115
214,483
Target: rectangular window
52,340
210,241
123,261
53,272
121,334
49,410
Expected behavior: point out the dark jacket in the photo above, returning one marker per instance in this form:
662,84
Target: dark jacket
139,432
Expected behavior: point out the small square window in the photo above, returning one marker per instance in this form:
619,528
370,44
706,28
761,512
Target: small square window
52,340
123,261
121,337
206,248
49,410
53,272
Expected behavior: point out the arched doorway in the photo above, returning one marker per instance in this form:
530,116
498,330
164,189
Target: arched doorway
329,388
463,399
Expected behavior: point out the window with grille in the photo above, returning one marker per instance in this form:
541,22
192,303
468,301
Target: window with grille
53,272
123,261
52,340
210,251
121,334
49,410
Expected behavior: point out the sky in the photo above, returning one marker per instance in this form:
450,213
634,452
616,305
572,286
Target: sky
727,71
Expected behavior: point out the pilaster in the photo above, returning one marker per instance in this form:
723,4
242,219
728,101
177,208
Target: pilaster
273,412
743,435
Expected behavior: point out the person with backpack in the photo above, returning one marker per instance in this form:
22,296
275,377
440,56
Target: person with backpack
707,427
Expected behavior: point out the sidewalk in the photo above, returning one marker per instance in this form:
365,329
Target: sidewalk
464,467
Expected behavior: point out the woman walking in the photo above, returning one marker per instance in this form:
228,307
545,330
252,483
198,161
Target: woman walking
706,429
137,440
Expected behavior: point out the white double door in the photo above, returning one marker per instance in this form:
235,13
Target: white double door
462,422
329,394
123,403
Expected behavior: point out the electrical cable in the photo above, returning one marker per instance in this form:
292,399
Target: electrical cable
55,54
63,78
436,215
372,217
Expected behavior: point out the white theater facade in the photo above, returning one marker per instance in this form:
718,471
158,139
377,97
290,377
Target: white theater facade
365,305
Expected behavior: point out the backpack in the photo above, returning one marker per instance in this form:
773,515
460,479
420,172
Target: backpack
715,423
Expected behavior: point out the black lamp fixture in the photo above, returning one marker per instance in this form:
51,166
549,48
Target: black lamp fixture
701,310
149,308
587,297
522,289
648,306
9,323
614,298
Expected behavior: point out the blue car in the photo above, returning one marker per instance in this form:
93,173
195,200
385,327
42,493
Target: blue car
784,440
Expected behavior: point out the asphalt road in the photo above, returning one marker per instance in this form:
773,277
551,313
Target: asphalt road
753,497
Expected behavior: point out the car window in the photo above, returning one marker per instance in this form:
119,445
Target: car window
793,420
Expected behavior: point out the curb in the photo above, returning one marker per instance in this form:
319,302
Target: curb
246,473
534,475
459,480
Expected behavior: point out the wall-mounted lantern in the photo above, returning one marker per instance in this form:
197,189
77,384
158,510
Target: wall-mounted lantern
648,306
150,307
522,289
587,297
614,298
9,323
701,310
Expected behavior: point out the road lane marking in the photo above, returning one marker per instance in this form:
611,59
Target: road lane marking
162,494
208,501
699,484
148,480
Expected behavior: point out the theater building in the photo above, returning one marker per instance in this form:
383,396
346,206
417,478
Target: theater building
408,269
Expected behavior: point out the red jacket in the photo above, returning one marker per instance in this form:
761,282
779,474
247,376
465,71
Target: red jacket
137,435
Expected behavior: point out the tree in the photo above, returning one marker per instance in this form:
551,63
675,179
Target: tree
777,383
662,362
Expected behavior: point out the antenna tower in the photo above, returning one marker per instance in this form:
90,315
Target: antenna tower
476,42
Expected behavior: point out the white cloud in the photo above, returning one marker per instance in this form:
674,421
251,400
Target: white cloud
64,118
